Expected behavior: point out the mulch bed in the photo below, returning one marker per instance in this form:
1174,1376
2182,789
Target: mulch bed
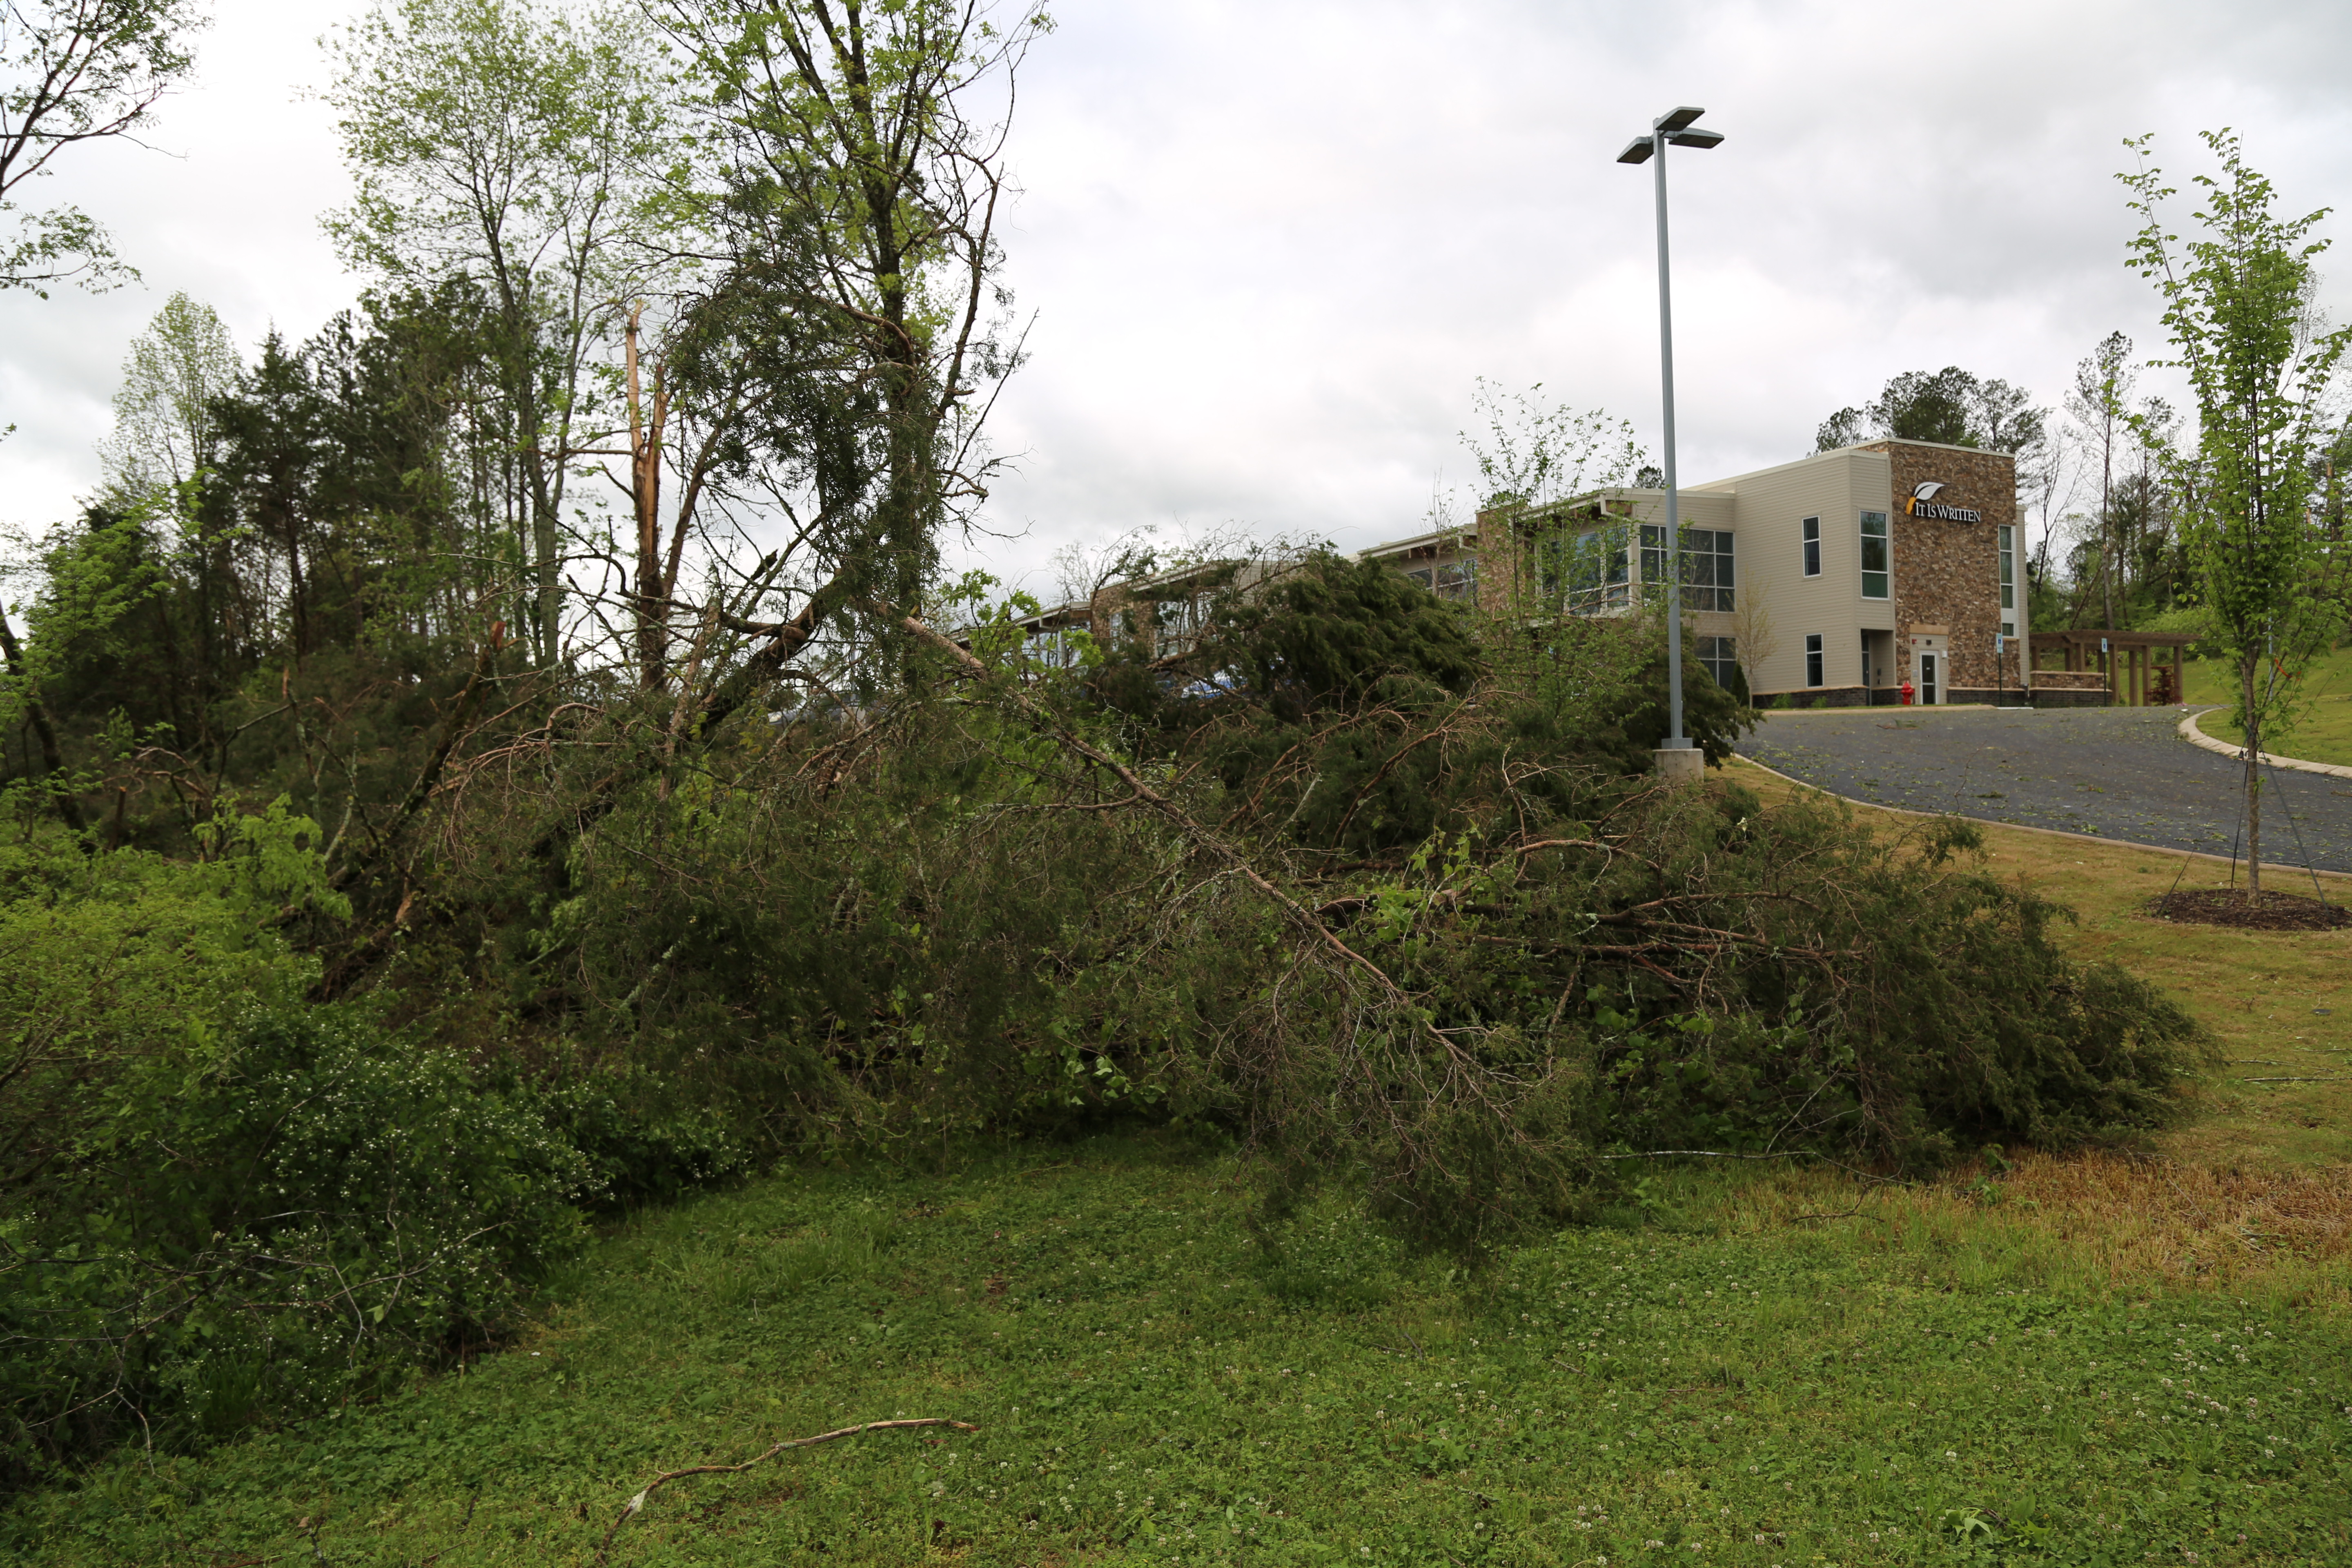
2228,907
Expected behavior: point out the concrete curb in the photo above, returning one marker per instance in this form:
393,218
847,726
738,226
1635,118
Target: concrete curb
2197,737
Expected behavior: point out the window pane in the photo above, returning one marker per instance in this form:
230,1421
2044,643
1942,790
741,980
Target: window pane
1875,567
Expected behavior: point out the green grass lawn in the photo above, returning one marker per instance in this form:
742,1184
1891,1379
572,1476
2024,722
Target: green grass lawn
2324,734
2108,1358
1864,1385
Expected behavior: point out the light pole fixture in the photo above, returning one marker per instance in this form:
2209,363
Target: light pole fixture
1673,130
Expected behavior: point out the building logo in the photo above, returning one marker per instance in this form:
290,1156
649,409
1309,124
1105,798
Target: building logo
1923,503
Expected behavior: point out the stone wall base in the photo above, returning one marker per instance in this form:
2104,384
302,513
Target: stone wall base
1891,697
1817,697
1885,697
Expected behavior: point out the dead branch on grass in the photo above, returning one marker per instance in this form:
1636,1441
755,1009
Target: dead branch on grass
634,1505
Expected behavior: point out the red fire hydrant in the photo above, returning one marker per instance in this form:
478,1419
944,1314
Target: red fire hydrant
1906,694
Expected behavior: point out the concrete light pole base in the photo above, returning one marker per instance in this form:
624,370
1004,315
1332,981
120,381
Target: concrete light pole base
1684,765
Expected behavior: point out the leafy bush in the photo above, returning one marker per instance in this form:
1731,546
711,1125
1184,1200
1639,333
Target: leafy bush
309,1208
1632,724
224,1203
643,1140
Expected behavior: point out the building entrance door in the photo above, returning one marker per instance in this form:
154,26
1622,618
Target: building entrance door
1930,665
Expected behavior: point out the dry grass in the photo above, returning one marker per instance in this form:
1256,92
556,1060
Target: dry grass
2102,1220
2253,1194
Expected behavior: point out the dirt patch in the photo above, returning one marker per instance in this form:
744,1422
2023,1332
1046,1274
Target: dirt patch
2229,907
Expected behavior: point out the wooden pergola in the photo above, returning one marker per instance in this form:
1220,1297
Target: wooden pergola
2128,659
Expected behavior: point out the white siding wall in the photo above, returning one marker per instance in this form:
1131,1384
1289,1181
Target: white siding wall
1766,512
1772,506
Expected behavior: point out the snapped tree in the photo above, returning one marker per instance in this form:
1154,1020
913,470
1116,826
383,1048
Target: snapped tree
2238,304
522,151
857,158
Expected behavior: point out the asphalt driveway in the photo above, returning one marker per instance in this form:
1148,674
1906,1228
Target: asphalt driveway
2118,773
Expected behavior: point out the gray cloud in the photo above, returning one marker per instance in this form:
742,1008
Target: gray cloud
1270,246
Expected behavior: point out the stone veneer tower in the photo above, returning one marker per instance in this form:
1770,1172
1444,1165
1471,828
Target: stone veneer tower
1947,572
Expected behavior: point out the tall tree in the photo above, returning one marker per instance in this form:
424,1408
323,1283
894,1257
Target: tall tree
2237,307
2098,403
164,415
860,165
508,144
1950,406
2046,488
163,444
74,71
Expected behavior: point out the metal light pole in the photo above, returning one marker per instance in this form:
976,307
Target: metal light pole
1670,129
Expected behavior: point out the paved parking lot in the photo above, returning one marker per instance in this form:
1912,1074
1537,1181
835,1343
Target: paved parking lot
2118,773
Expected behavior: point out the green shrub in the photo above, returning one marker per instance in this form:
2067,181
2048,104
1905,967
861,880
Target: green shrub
644,1139
312,1207
224,1203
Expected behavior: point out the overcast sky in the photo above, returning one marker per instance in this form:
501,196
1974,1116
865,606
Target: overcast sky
1270,247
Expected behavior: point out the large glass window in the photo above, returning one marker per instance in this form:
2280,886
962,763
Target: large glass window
1720,656
2008,536
1813,660
1458,580
1707,565
1588,571
1812,547
1179,623
1875,568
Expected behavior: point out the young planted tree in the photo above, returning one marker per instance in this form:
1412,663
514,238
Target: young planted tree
74,71
2238,305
